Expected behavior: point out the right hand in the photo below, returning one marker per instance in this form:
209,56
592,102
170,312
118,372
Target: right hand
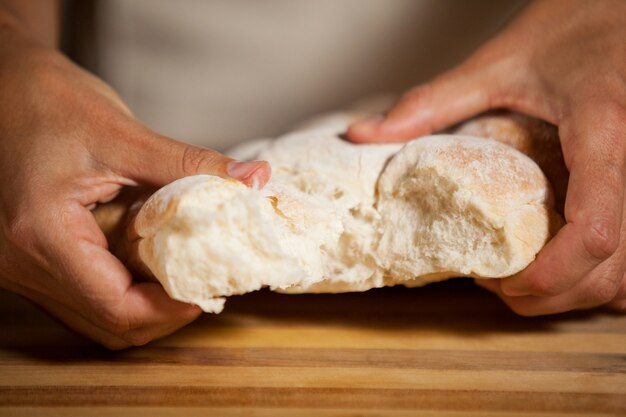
563,62
67,143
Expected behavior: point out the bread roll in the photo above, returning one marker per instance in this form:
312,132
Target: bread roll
536,139
343,217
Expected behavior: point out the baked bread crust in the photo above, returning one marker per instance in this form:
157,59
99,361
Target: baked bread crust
342,217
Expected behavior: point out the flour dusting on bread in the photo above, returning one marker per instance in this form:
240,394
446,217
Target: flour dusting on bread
343,217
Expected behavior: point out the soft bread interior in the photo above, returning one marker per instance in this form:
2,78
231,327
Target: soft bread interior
464,205
429,227
218,238
329,221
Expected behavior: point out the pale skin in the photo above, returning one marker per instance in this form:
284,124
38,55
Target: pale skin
67,142
563,61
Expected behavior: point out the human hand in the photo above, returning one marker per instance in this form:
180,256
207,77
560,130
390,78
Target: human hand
67,143
563,62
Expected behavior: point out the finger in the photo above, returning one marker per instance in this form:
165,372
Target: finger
75,321
143,312
599,287
594,210
148,305
619,301
490,284
108,338
454,96
137,312
148,158
530,305
102,290
67,314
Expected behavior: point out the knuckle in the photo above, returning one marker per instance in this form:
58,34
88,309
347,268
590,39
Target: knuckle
20,232
540,286
602,293
197,160
600,238
115,321
118,323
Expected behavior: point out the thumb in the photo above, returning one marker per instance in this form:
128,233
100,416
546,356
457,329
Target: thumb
448,99
158,160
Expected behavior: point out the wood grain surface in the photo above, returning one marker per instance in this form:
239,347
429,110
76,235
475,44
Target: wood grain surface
447,349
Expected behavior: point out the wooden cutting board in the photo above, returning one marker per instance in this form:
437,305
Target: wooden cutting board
447,349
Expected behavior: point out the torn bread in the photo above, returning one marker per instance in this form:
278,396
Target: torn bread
341,217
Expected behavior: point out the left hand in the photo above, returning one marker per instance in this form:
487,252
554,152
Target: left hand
563,62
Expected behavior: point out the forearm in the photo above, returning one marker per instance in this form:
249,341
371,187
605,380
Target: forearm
37,19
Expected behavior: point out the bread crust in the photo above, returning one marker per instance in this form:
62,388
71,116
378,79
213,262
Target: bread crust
534,138
324,199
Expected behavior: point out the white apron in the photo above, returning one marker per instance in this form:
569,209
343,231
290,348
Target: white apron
218,72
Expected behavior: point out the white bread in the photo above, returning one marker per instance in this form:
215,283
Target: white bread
533,137
458,205
342,217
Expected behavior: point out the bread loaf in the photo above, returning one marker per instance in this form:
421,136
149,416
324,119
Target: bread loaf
343,217
534,138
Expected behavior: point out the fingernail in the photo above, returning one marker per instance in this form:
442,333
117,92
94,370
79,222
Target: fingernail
241,170
246,170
